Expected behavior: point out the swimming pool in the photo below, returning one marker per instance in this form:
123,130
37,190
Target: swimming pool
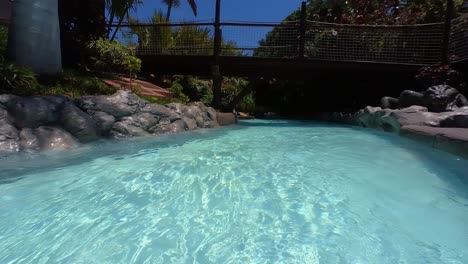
258,192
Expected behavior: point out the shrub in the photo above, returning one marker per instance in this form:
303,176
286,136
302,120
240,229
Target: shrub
16,80
3,40
110,56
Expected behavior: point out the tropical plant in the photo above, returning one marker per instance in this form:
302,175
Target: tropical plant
14,79
3,40
111,56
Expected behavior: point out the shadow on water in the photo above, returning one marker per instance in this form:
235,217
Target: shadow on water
15,167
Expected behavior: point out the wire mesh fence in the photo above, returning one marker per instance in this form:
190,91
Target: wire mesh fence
416,44
409,44
458,50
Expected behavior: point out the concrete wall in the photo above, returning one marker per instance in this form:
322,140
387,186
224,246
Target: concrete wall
5,10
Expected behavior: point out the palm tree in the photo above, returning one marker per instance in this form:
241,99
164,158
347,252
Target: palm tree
34,36
170,4
176,3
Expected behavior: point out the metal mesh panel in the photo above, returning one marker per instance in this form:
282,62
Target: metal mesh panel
459,40
414,44
261,40
419,44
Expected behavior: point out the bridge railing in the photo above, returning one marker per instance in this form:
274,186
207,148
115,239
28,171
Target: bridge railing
458,48
397,44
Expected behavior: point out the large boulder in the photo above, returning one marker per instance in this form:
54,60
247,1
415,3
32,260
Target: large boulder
161,111
389,103
8,133
118,105
9,138
170,128
33,112
6,99
458,118
123,129
442,98
104,122
78,123
371,116
54,138
141,120
28,140
409,98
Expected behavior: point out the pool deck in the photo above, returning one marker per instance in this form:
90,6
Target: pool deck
454,140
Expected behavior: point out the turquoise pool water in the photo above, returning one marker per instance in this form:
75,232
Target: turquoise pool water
258,192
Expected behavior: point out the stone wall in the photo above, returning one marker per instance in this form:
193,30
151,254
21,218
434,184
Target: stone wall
57,122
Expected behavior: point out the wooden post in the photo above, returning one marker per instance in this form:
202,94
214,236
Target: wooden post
215,71
303,27
447,30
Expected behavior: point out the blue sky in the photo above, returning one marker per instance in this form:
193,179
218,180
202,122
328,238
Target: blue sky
231,10
246,10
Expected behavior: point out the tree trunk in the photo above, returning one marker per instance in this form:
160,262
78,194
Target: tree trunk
34,36
169,10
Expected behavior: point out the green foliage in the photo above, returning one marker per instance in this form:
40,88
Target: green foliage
74,84
3,40
109,56
197,90
230,88
16,80
178,93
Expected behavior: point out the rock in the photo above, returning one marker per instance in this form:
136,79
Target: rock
33,112
409,98
193,112
190,123
9,138
124,130
442,98
118,105
78,123
28,141
211,113
161,111
389,103
458,118
210,124
141,120
104,122
171,128
179,108
454,140
54,138
225,119
371,116
6,99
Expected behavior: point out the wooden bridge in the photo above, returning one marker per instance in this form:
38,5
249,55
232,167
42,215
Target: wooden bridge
303,47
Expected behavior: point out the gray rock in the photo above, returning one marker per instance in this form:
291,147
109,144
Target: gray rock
389,103
409,98
54,138
190,123
441,98
226,119
124,130
211,113
33,112
28,140
78,123
9,138
210,124
141,120
6,99
458,118
118,105
179,108
171,128
104,122
161,111
194,112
